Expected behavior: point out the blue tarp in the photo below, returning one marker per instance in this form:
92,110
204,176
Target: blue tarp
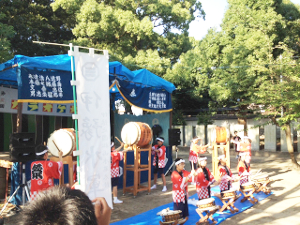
63,62
151,217
149,79
152,87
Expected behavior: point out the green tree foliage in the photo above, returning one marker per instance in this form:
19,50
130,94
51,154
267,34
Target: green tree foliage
6,32
35,21
193,72
150,33
242,65
257,33
178,118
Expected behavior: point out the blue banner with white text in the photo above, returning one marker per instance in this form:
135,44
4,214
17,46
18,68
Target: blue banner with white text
147,98
50,86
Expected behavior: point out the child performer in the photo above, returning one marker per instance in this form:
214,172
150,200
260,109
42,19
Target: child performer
180,178
225,174
245,146
195,149
243,169
203,179
116,157
159,152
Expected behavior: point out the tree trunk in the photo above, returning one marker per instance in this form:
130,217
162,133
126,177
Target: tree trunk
290,146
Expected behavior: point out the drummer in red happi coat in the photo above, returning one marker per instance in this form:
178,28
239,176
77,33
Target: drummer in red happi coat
116,157
225,174
180,178
195,150
203,179
159,162
243,169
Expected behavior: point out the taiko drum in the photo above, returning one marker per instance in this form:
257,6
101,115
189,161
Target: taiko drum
221,135
136,133
65,140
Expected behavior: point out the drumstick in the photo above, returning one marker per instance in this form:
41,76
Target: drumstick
118,140
257,173
56,146
193,178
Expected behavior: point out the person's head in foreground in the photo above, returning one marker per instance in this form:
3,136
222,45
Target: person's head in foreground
60,206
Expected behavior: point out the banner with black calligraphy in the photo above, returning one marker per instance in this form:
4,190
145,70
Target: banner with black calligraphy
147,98
44,86
92,90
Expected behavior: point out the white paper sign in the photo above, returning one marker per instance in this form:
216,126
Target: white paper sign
92,74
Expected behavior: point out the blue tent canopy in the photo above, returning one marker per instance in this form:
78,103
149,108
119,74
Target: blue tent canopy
63,62
16,72
149,79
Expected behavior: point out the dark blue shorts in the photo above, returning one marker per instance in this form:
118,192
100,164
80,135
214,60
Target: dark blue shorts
114,181
183,207
158,170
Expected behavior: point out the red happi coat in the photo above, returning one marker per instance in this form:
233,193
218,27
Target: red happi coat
180,188
245,147
194,151
116,157
42,174
222,173
202,182
242,169
161,156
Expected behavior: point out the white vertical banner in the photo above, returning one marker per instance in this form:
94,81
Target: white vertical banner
92,89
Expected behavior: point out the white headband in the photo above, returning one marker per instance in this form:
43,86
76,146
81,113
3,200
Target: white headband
221,157
159,139
112,144
42,153
180,161
202,159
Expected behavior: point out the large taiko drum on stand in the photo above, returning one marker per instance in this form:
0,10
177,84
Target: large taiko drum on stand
136,133
221,135
64,139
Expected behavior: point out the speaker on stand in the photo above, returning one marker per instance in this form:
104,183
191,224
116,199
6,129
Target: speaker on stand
22,149
174,140
174,137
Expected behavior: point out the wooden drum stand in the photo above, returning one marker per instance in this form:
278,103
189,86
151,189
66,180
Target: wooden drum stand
69,161
261,185
137,168
229,198
248,189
